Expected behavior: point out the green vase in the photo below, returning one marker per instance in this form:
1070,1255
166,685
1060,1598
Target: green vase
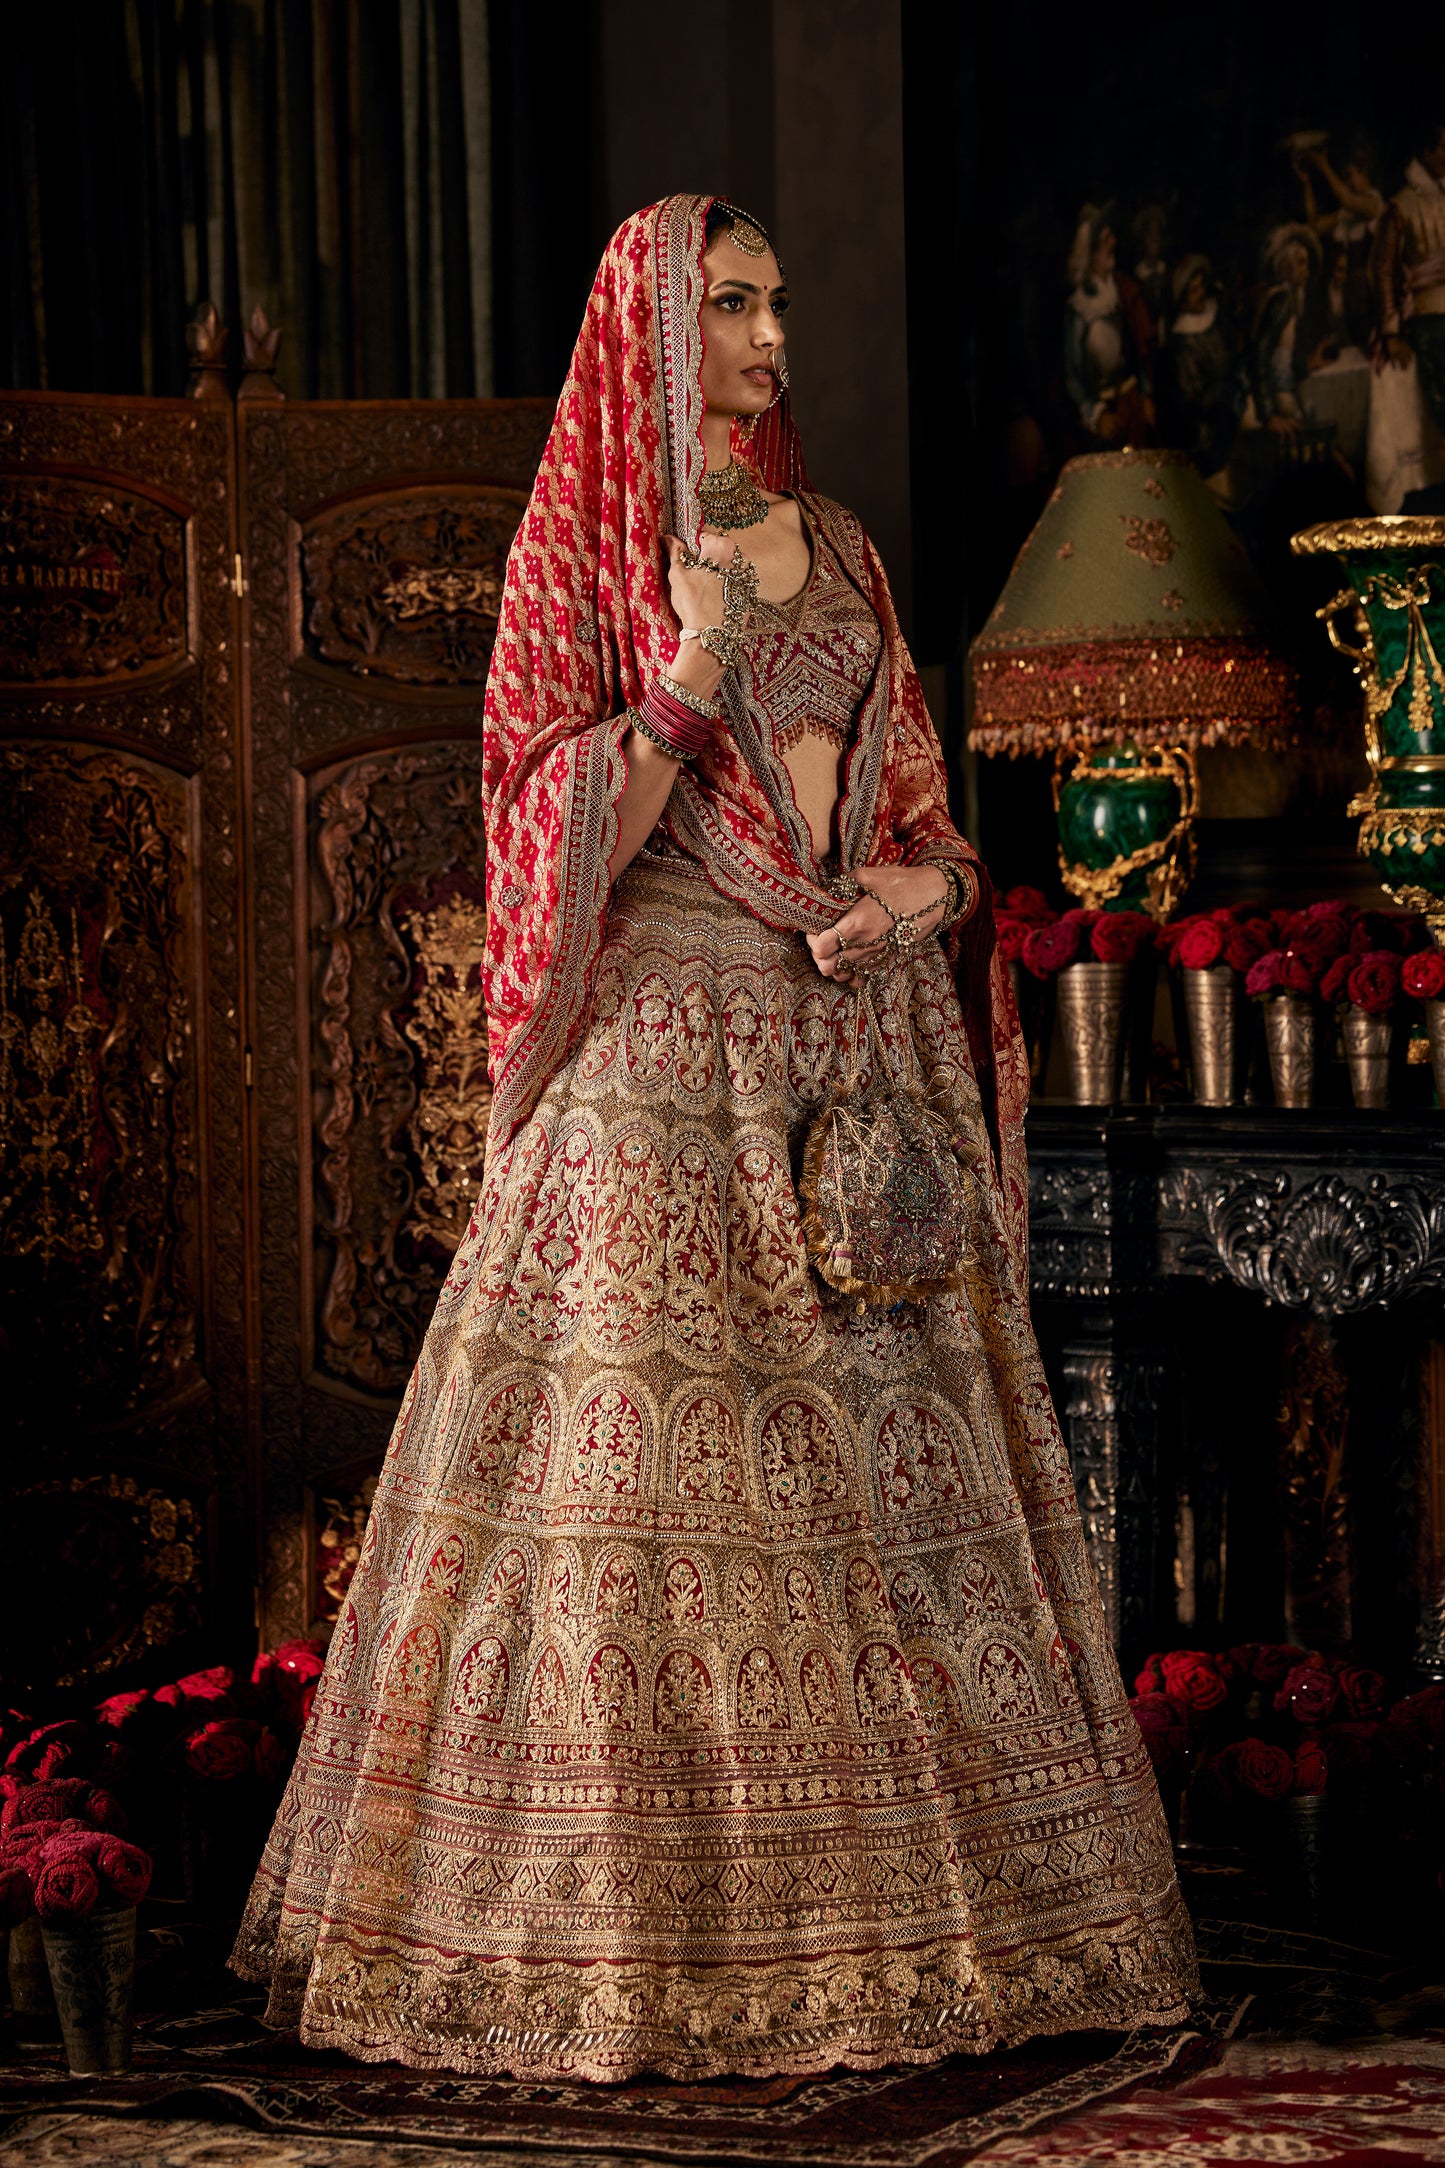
1395,600
1126,840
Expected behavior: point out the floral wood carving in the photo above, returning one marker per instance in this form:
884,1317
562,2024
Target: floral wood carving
92,583
98,1191
407,586
1330,1244
400,1042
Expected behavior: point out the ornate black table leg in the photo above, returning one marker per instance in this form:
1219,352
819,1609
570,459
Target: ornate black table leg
1314,1426
1113,1394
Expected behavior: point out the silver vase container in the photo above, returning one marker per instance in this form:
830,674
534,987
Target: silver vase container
92,1970
1289,1032
1092,1007
1435,1033
1368,1044
1212,1004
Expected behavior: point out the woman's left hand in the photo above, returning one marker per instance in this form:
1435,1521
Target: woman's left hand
864,925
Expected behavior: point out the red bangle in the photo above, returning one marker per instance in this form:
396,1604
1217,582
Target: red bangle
678,729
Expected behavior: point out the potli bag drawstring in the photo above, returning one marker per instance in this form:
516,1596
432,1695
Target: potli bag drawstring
887,1183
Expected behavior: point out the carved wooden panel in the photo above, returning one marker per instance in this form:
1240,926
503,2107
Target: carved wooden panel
94,582
124,1209
405,585
99,1175
375,540
398,1048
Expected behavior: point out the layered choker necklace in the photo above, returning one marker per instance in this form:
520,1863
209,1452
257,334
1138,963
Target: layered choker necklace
731,498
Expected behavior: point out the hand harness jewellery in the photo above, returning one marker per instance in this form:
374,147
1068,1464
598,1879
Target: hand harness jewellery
740,592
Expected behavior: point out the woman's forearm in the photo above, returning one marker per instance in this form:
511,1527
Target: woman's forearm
651,772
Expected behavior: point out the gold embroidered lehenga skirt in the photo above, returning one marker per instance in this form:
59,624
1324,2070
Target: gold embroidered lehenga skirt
724,1685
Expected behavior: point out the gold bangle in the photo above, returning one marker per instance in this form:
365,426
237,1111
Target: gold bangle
634,716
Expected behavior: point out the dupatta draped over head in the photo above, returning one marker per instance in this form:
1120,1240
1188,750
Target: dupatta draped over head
585,622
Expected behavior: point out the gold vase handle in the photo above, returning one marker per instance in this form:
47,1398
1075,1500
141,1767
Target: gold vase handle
1344,600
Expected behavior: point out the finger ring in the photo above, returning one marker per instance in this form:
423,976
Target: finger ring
842,944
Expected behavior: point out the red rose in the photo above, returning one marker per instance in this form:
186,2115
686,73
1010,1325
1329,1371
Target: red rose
62,1797
1244,945
1051,948
66,1889
1274,1660
1191,1676
1374,983
46,1752
1151,1678
215,1684
1423,975
1264,973
1202,945
120,1711
1257,1767
1423,1714
1012,933
1364,1691
1165,1735
124,1867
223,1751
1029,904
1301,969
1308,1693
1118,937
1335,984
1311,1770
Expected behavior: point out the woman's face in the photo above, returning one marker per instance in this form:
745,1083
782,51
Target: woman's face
742,326
1196,293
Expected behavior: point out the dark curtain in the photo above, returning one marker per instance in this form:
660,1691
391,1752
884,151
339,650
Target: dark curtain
347,165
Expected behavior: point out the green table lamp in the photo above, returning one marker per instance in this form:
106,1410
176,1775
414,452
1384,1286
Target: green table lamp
1129,634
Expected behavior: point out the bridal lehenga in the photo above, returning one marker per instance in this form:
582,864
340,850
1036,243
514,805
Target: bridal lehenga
724,1685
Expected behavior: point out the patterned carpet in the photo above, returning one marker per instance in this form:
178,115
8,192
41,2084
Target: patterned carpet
1306,2051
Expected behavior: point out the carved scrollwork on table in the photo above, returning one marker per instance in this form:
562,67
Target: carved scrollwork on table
1329,1243
400,1042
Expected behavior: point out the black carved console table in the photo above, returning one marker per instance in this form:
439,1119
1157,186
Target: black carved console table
1241,1308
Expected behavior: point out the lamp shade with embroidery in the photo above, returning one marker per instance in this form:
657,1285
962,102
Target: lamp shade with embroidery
1133,630
1132,614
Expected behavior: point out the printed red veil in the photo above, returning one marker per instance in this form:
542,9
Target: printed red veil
586,621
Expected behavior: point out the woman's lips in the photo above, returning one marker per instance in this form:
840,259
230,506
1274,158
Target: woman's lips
758,376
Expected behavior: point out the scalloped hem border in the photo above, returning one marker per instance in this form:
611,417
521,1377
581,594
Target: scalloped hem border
847,2048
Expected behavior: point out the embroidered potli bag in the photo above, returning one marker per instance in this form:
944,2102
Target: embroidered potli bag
888,1187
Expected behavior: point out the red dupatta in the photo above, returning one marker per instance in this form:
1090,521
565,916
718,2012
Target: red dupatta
585,622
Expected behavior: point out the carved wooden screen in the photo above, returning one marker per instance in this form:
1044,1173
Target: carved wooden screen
122,1195
374,538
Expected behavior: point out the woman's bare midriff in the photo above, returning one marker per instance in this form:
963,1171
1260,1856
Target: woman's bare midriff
815,764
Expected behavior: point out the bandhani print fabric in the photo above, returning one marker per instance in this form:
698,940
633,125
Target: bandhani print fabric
723,1686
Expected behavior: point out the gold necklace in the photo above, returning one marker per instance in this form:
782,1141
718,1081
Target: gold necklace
731,498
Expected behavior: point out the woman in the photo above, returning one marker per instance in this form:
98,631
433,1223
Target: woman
723,1685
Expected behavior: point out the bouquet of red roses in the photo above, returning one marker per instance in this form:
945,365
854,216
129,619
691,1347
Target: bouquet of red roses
62,1851
1017,913
1105,937
1226,936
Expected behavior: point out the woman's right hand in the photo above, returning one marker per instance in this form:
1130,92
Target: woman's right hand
697,594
